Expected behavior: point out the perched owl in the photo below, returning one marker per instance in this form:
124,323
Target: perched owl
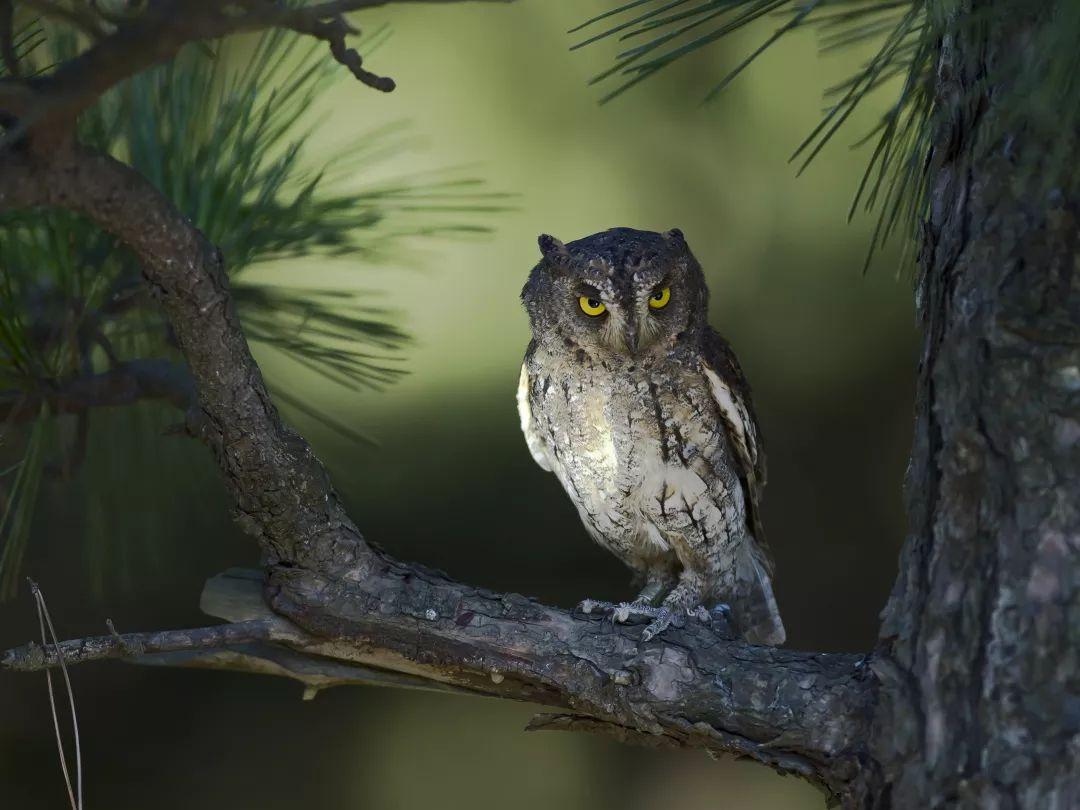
642,412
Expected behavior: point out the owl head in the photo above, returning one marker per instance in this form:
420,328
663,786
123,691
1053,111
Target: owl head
620,292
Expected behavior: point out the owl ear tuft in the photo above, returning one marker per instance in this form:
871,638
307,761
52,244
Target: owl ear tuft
551,247
675,235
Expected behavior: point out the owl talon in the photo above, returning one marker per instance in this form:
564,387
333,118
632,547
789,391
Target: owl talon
701,613
596,606
627,610
665,618
722,613
661,617
623,612
723,619
662,622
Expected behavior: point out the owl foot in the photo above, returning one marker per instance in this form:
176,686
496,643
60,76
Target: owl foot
620,612
665,618
596,606
718,615
626,612
662,617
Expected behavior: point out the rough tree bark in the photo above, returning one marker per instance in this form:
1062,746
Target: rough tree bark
980,642
971,698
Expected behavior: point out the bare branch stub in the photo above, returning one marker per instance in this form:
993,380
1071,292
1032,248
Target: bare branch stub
326,22
404,626
798,712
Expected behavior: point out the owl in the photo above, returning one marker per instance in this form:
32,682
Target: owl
641,411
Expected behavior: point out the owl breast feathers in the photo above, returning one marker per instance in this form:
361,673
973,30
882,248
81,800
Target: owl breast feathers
641,411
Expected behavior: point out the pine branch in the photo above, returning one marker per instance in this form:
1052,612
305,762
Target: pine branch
803,711
405,626
893,180
224,144
177,257
1043,80
126,383
332,28
156,36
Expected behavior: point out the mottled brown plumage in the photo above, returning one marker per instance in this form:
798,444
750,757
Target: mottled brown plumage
642,412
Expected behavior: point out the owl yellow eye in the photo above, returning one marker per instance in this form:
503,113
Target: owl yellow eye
591,306
660,298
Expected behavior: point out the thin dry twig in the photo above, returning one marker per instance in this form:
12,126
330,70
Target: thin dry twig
44,619
332,29
30,657
157,35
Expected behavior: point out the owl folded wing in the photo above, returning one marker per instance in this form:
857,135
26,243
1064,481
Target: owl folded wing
731,392
537,446
732,395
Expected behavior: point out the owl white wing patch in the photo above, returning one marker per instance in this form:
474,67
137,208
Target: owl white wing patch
737,417
754,566
537,446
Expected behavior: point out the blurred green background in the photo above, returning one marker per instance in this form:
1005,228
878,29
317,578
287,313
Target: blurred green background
829,351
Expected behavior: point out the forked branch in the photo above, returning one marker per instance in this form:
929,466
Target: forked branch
331,608
404,626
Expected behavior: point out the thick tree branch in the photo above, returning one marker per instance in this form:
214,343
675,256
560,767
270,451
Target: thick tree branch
260,643
802,713
798,712
282,492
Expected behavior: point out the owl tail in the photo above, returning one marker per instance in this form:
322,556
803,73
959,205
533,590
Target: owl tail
756,611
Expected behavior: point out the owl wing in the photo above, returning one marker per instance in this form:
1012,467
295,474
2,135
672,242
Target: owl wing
537,446
731,392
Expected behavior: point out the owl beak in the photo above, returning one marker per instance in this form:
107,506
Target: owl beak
631,337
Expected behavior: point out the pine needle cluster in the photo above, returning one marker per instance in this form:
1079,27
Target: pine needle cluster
1035,88
223,131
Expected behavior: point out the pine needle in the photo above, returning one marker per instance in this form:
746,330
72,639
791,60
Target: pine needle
225,132
1037,88
899,25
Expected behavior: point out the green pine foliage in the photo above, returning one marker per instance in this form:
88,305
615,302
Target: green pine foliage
21,482
661,33
1036,88
222,132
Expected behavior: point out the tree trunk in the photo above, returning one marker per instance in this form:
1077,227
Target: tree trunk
979,652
